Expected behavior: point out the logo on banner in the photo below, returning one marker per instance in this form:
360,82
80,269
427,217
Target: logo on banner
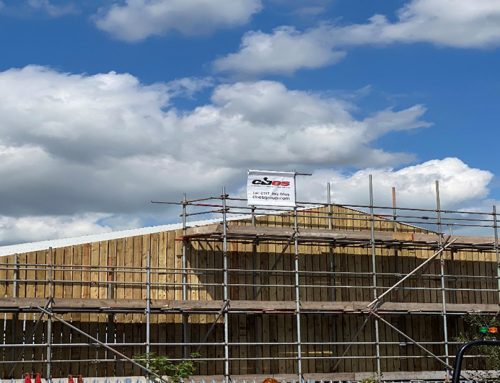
267,182
268,188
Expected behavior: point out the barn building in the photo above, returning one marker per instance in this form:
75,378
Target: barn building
322,292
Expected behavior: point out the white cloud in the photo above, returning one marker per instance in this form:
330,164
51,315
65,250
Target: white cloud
460,185
264,123
107,144
284,51
454,23
51,9
72,144
139,19
35,228
188,86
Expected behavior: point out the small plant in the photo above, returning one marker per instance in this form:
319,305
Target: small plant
162,365
368,380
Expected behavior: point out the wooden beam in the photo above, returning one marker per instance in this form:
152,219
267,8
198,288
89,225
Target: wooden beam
341,237
269,307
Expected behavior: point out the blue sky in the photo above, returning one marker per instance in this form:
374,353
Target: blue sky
107,104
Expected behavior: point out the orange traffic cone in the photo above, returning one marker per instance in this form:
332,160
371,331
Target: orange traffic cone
80,379
38,378
70,379
27,378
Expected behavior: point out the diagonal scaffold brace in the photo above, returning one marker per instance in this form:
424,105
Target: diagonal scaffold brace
374,305
32,332
376,302
102,344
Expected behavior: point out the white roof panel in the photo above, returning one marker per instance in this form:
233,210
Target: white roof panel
55,243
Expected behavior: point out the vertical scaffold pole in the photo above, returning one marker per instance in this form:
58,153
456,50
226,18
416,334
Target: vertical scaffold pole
254,257
226,289
15,285
15,316
297,293
442,277
256,280
331,260
49,319
185,317
397,268
497,253
374,277
148,308
330,207
110,326
394,210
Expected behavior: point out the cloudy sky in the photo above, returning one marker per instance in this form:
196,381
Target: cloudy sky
108,104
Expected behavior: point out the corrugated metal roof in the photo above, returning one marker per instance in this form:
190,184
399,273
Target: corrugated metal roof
55,243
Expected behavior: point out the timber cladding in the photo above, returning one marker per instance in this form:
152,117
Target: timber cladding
101,287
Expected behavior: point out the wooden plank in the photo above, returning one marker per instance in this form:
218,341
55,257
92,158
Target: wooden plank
451,281
27,286
138,333
177,254
394,350
103,353
461,269
367,334
282,337
40,275
234,351
154,248
77,273
325,336
67,272
317,349
266,338
4,275
58,273
138,273
138,305
162,265
22,275
126,276
477,281
111,276
86,271
102,291
314,234
352,326
84,351
163,333
482,281
94,273
170,265
120,331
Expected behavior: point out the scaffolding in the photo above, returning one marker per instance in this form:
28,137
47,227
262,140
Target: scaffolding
369,294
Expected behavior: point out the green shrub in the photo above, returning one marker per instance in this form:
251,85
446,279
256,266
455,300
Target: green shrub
473,322
162,365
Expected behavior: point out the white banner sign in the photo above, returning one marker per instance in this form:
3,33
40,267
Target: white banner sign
268,188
